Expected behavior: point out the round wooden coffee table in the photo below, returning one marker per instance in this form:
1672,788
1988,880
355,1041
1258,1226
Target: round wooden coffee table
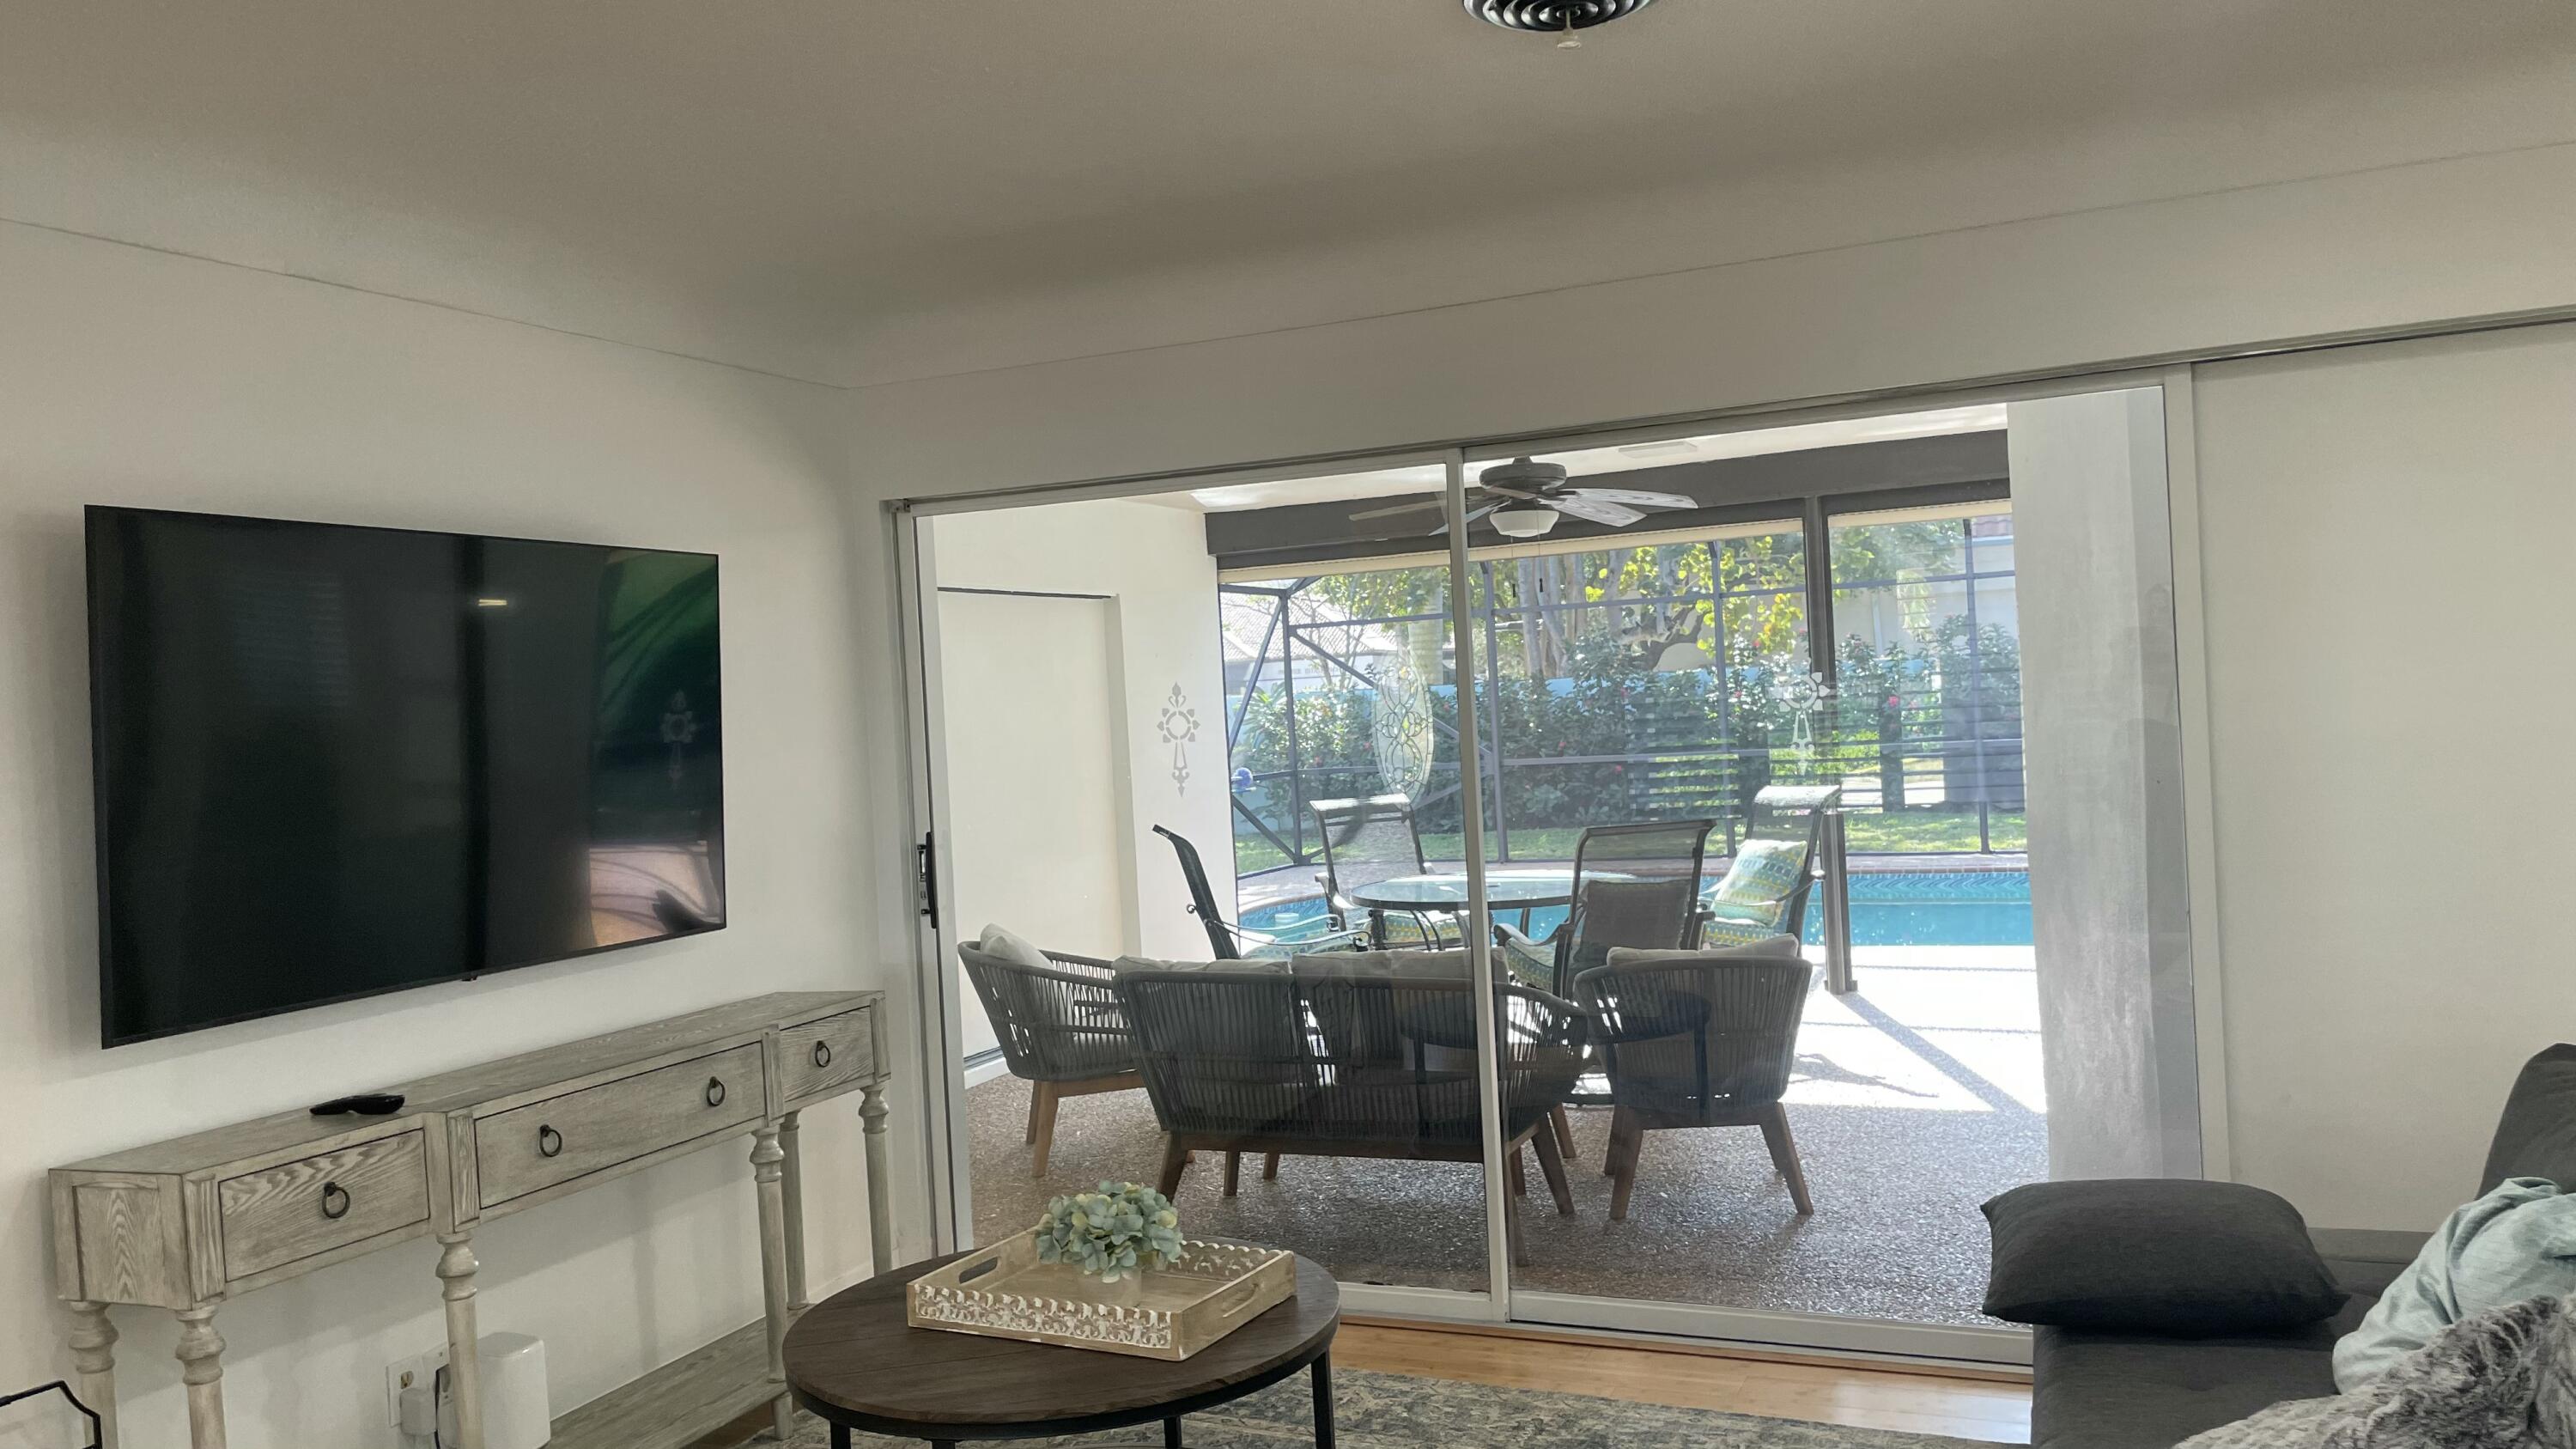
854,1363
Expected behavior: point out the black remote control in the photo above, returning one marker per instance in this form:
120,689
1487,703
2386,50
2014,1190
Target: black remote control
364,1104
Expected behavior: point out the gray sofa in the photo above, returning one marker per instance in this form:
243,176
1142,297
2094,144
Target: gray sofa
2108,1390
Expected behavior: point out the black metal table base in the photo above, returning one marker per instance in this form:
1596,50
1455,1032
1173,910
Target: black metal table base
1320,1372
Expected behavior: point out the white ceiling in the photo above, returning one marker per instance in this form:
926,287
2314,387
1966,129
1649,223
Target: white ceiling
837,175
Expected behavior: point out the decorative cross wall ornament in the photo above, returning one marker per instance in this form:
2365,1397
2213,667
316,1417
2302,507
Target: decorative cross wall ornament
1180,725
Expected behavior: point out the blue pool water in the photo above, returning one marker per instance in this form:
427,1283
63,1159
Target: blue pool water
1888,908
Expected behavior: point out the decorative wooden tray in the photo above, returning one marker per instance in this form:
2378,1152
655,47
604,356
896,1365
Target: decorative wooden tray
1168,1313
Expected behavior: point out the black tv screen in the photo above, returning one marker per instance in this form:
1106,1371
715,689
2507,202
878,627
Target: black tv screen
337,761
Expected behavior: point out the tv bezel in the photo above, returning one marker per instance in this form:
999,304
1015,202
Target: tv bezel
91,516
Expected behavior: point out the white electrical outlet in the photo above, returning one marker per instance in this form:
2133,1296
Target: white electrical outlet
421,1369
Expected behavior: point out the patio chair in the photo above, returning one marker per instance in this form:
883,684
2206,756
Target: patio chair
1765,889
1634,885
1371,840
1699,1039
1235,943
1061,1030
1346,1060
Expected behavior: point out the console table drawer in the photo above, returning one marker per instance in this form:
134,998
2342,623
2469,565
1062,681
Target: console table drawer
819,1056
544,1143
284,1214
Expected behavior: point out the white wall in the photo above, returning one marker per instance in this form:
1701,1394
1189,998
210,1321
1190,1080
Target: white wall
2384,536
2446,241
1036,791
2468,237
138,378
1153,564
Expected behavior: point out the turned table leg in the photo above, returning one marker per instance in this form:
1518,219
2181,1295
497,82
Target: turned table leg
872,1121
791,1183
456,1269
766,1174
201,1368
93,1341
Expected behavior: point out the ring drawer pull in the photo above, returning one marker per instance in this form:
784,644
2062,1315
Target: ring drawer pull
822,1054
715,1091
335,1201
549,1142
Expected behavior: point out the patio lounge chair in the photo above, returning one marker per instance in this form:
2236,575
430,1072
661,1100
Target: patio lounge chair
1366,1055
1061,1030
1367,841
1699,1039
1634,885
1765,889
1232,942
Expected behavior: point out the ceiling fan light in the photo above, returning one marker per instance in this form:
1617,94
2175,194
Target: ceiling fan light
1523,520
1561,16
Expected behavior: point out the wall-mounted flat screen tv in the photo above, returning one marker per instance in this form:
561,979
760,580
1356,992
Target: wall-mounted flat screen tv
334,761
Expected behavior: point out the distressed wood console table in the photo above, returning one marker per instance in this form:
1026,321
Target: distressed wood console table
187,1224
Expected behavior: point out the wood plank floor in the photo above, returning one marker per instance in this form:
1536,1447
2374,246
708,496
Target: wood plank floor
1924,1402
1735,1382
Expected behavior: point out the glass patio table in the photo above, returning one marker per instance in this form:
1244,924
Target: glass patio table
1445,893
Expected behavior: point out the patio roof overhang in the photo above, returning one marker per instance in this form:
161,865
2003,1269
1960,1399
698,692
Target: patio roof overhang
1961,467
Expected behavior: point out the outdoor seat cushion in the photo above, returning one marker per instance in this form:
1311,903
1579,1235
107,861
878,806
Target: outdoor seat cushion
1764,873
1648,914
1414,965
2166,1256
1013,947
1720,932
1771,945
1238,1020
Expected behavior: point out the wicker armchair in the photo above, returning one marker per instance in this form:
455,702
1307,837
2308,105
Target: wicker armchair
1372,1058
1367,841
1699,1040
1061,1030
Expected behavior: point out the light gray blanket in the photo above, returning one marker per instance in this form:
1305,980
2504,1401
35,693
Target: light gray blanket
2502,1379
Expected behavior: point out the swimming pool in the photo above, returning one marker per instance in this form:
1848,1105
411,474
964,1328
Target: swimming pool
1888,908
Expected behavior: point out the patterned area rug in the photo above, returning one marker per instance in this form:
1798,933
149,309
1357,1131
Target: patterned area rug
1392,1411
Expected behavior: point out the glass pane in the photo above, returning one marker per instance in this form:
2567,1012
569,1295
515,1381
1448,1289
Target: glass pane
1745,1136
1345,762
1928,735
1215,767
1640,683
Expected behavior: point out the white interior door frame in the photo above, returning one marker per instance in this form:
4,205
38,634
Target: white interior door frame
942,1026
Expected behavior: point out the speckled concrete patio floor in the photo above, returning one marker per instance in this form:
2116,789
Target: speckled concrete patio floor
1917,1097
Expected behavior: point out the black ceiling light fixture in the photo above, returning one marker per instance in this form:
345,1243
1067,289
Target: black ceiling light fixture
1559,17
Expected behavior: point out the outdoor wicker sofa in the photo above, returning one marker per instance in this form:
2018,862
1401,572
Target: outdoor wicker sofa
1367,1054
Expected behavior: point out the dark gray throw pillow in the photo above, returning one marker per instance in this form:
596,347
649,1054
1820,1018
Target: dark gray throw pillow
2155,1255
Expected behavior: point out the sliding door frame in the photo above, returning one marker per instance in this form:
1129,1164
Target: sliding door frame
1502,1301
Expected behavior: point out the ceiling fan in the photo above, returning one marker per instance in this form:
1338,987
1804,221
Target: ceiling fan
1523,499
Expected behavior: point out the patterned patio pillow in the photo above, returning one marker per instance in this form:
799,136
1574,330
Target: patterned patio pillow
1764,873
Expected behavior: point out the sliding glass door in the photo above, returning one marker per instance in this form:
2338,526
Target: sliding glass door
1184,824
1327,817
